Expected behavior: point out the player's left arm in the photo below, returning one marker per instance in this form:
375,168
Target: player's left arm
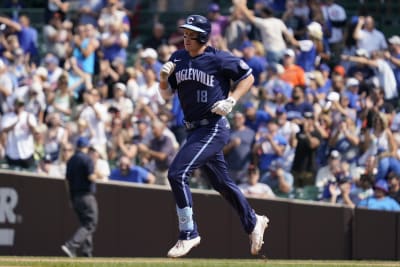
242,87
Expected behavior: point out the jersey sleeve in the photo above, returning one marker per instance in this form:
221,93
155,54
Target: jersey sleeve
233,67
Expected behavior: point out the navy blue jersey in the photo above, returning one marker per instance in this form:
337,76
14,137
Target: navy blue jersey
205,79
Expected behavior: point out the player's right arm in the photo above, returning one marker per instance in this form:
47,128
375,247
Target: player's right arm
164,86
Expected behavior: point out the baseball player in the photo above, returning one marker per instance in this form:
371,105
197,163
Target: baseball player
201,76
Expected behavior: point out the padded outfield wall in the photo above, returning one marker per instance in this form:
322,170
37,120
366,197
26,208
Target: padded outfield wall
140,221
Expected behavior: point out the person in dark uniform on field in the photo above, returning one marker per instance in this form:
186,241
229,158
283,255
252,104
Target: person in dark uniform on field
81,184
201,76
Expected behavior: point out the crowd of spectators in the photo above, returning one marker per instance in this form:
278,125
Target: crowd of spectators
323,115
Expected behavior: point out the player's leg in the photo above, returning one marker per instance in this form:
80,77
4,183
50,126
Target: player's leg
253,224
200,146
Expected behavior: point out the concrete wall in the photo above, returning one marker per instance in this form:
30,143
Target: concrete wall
140,221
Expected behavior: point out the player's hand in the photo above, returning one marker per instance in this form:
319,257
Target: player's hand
223,107
166,70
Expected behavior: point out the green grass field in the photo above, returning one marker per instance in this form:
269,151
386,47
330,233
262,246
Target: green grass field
164,262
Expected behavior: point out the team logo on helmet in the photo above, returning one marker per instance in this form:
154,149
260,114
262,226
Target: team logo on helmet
190,20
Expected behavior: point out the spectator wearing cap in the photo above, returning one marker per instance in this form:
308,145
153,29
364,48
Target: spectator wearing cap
308,140
292,74
326,72
269,147
275,85
311,47
18,127
158,37
341,190
352,85
394,187
120,102
54,71
273,31
238,150
252,187
254,62
101,166
255,117
150,61
384,74
114,42
218,21
380,200
82,187
288,129
393,56
367,36
328,173
279,180
127,172
360,71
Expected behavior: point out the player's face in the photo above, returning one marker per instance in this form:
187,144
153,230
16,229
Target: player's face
190,41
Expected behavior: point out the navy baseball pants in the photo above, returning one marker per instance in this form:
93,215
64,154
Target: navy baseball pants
203,148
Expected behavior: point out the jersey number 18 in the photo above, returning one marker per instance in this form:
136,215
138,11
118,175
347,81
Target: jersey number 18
201,96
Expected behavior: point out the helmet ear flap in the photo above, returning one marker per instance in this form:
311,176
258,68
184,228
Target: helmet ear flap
202,38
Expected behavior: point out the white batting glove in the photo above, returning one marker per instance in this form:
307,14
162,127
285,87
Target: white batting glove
166,70
223,107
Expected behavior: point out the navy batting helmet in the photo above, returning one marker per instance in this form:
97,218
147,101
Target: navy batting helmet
198,24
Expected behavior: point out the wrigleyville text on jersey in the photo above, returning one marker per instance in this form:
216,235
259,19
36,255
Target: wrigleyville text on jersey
196,75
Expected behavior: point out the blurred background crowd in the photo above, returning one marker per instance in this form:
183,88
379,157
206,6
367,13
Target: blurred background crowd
321,122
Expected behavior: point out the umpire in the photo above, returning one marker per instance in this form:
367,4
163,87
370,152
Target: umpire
81,185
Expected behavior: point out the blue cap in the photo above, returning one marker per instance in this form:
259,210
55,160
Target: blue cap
246,44
277,89
213,7
383,185
324,67
82,142
248,104
280,110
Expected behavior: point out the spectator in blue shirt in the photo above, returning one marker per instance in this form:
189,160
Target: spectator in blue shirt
380,200
125,172
255,63
254,117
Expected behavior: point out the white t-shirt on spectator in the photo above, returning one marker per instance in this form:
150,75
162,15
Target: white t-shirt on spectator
272,30
387,79
97,125
372,41
257,190
19,143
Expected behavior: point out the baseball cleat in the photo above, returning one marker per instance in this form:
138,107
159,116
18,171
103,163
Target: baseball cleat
182,247
68,251
257,236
